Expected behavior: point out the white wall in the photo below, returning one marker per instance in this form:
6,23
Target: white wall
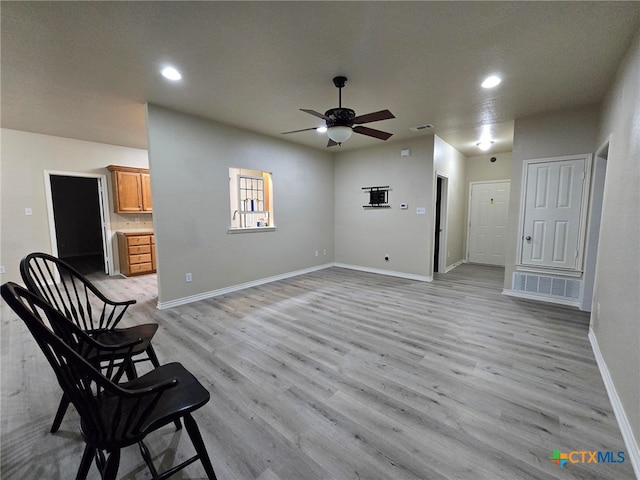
552,134
25,156
617,282
364,236
190,159
481,169
452,164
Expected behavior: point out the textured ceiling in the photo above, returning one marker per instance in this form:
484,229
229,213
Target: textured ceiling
85,69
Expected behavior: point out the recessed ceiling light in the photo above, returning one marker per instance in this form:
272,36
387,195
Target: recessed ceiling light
321,129
484,145
171,73
491,81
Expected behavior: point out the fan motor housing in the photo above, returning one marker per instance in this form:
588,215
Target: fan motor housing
340,117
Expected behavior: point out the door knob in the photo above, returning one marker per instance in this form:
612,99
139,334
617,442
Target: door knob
527,238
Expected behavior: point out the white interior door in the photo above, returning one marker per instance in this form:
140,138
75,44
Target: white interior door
489,205
553,202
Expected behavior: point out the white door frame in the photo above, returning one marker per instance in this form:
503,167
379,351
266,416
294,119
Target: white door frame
104,213
596,203
471,184
572,272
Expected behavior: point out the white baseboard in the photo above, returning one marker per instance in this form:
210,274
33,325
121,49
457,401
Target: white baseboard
540,298
454,265
623,422
391,273
262,281
235,288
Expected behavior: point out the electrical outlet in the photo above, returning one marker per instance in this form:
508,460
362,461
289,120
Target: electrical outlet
188,278
324,252
2,270
136,220
316,253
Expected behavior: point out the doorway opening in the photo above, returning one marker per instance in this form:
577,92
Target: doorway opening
440,225
77,220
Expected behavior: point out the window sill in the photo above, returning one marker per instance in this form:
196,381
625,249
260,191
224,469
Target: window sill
251,230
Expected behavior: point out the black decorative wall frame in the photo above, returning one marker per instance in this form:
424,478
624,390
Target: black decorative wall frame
378,197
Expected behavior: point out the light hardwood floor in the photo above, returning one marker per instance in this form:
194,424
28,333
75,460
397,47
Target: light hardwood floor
348,375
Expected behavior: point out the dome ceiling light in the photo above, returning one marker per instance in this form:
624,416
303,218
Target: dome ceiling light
491,82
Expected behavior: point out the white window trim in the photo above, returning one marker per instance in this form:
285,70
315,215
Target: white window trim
251,229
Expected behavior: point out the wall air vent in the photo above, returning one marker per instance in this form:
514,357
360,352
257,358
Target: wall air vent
421,127
545,286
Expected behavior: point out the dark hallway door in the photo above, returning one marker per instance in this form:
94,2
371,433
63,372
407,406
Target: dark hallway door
438,228
78,223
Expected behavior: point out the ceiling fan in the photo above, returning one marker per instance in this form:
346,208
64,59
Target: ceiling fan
340,121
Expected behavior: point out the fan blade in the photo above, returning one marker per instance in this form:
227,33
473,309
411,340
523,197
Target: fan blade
373,117
316,114
296,131
372,133
331,143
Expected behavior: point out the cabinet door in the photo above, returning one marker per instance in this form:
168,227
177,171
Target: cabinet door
145,182
153,253
129,194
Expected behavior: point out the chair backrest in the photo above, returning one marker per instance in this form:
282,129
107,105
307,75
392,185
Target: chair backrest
70,292
108,412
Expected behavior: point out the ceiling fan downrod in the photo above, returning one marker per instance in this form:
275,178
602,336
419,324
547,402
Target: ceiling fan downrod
339,82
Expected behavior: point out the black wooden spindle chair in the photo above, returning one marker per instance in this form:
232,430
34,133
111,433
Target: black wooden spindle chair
80,301
112,415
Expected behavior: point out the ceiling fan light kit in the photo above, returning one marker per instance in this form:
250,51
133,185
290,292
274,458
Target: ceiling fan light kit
340,121
339,134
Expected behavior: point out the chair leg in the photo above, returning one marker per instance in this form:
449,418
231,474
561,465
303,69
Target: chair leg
62,409
201,450
146,456
85,464
130,370
112,465
152,356
154,360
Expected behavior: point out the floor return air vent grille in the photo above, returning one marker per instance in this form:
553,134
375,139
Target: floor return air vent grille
554,287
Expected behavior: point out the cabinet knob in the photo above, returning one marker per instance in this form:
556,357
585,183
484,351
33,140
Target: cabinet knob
527,238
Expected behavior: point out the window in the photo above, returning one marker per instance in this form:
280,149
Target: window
251,199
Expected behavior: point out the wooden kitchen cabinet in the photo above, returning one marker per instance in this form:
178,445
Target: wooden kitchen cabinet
136,251
131,189
153,252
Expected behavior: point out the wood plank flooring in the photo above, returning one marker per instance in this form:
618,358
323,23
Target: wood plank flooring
347,375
